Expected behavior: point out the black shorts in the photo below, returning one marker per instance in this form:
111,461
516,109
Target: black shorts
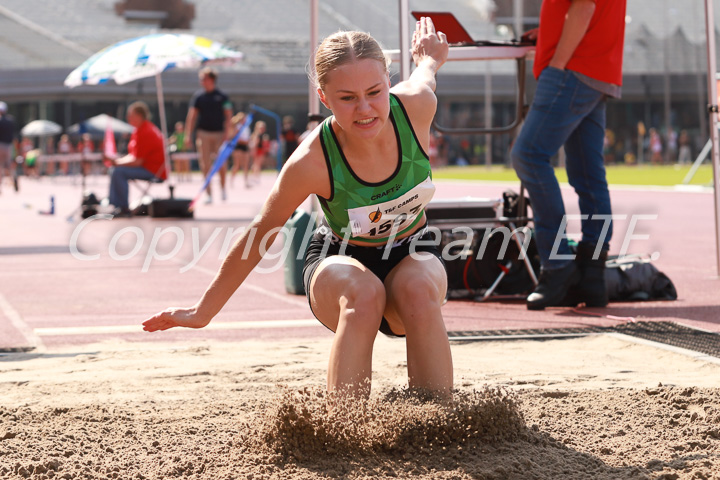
370,257
243,147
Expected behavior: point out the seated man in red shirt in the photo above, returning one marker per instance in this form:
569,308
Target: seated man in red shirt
145,159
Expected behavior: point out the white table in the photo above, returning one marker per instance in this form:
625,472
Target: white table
481,52
519,53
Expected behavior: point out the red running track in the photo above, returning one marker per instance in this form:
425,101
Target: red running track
51,298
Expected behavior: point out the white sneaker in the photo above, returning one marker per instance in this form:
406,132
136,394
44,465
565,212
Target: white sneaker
208,200
223,195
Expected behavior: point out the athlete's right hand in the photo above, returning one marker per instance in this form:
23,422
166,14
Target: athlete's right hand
175,317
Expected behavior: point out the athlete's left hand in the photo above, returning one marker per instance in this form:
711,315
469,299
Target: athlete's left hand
427,43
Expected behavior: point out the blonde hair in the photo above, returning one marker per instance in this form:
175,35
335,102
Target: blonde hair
344,47
140,108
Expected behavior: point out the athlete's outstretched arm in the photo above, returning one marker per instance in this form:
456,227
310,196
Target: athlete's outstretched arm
429,51
297,180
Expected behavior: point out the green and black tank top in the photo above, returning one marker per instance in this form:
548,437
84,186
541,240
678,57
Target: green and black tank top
375,212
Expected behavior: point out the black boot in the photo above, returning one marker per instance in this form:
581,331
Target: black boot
553,286
591,289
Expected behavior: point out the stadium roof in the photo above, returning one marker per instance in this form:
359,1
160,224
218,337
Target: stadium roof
274,34
41,41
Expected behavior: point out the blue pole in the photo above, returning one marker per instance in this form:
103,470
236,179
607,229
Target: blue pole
224,153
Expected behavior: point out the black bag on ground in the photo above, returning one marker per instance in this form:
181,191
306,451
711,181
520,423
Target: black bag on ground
474,271
635,279
170,207
89,205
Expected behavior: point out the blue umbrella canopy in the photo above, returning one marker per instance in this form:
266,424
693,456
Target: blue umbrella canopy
149,55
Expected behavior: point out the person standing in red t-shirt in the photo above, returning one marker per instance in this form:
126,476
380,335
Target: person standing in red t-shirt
145,159
578,64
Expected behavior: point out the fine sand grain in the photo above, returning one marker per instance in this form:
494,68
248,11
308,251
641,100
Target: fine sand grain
598,407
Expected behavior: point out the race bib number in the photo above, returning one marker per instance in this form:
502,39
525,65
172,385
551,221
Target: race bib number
389,218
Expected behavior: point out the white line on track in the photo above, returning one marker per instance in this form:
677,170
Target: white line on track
17,321
115,329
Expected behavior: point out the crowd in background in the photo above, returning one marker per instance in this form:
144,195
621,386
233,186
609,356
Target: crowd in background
258,149
26,152
658,147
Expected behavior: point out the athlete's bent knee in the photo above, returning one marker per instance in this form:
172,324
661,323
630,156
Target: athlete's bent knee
365,299
418,293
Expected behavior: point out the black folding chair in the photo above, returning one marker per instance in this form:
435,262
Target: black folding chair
140,206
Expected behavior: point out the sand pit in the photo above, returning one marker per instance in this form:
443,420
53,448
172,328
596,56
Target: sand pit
598,407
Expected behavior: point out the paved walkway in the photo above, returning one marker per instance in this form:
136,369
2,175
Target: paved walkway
125,270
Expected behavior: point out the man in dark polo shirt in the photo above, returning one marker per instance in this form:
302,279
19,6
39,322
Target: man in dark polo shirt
210,112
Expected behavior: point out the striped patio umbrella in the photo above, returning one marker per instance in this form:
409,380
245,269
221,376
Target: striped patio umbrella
148,56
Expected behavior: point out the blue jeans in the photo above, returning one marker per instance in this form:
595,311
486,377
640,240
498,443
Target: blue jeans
565,111
119,188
